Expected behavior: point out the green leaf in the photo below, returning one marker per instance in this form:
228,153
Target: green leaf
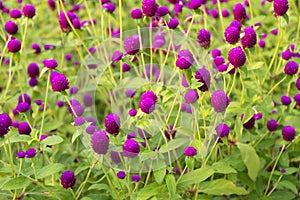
171,184
223,168
52,140
150,191
222,187
286,18
281,194
17,183
172,145
289,185
99,187
77,133
50,126
49,170
188,76
250,159
159,175
196,176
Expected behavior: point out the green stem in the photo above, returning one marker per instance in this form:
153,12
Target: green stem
45,106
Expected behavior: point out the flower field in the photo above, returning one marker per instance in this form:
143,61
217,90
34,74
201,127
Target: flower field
150,99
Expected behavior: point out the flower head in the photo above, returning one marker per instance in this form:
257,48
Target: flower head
286,100
24,128
29,11
173,23
59,82
149,7
203,76
222,130
191,96
131,148
33,70
68,179
11,27
237,57
239,12
219,101
272,125
203,38
14,45
280,7
5,123
232,35
136,13
50,63
15,13
112,124
30,153
100,142
190,151
132,45
288,133
121,174
249,39
136,178
291,68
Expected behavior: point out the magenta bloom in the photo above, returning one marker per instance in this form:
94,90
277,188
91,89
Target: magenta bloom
65,25
33,70
237,57
132,45
30,153
272,125
100,142
68,179
136,178
191,96
190,151
280,7
136,13
288,133
121,174
203,38
173,23
149,7
183,62
131,148
219,101
24,128
29,11
291,68
11,27
5,123
249,39
14,45
50,63
59,82
239,12
203,76
15,13
222,130
112,124
232,35
147,105
149,94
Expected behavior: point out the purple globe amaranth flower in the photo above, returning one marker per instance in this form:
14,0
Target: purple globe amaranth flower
65,26
136,13
149,7
239,12
236,24
68,57
60,103
261,43
173,23
215,53
68,179
11,27
130,93
223,67
219,101
100,142
203,38
222,130
132,45
78,121
291,68
125,67
298,83
28,11
90,129
218,61
92,120
36,47
194,4
112,124
286,100
297,97
177,8
21,154
250,123
51,4
131,148
249,39
225,13
257,116
121,174
147,105
149,94
232,35
14,45
24,98
50,63
136,178
109,7
162,11
15,13
280,7
237,57
115,157
88,100
33,82
131,135
59,82
30,153
24,128
132,113
117,56
288,133
170,133
272,125
191,96
33,70
187,54
5,123
287,54
183,62
190,151
74,90
23,107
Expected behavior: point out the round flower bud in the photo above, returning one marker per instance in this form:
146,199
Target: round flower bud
239,12
191,96
173,23
24,128
183,62
219,101
136,13
121,174
21,154
112,124
131,148
50,63
149,7
190,151
291,68
147,105
59,82
100,142
15,13
280,7
237,57
132,45
249,39
286,100
33,70
14,45
28,11
288,133
203,38
30,153
11,27
5,123
272,125
232,35
222,130
136,178
68,179
149,94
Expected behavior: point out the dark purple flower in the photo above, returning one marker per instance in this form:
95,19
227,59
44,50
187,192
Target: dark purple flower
162,11
222,130
90,129
14,45
33,70
286,100
110,7
60,103
298,83
191,96
68,57
24,98
24,128
130,93
214,13
88,100
249,39
112,124
74,90
291,68
125,67
11,27
287,54
149,7
225,13
215,53
117,56
297,97
219,101
36,47
147,105
15,13
21,154
59,82
239,12
136,13
100,142
28,11
232,35
183,62
68,179
203,38
132,45
23,107
131,148
190,151
50,63
250,123
43,136
173,23
149,94
5,123
30,153
236,24
38,102
194,4
121,174
237,57
136,178
261,43
203,76
170,132
288,133
280,7
65,25
132,113
272,125
51,4
79,121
